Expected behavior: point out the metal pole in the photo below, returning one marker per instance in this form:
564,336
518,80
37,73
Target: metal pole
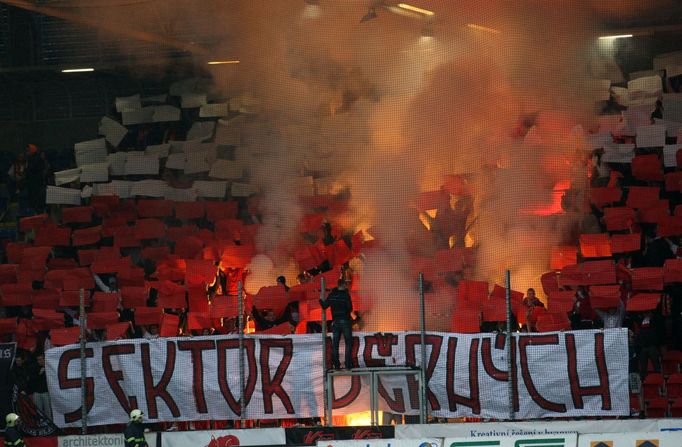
422,383
327,385
510,366
240,333
83,323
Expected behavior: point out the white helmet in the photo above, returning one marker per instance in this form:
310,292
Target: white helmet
136,416
11,419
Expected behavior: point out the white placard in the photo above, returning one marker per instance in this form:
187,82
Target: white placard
245,103
636,116
158,150
214,110
192,100
201,130
62,196
158,99
180,194
176,161
618,153
148,188
95,172
91,151
191,146
86,192
118,188
112,130
141,165
215,190
598,141
651,136
144,115
620,95
645,87
243,189
199,161
117,163
128,103
166,113
671,127
226,170
670,155
67,176
611,124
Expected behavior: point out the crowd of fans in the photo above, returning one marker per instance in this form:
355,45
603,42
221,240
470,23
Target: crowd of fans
151,267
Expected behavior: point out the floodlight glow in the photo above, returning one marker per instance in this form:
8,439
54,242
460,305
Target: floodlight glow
483,28
77,70
619,36
426,12
222,62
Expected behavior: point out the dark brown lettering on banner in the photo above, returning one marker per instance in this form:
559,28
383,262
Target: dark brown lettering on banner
65,383
578,392
474,400
197,347
537,340
159,390
273,385
498,374
434,342
114,376
384,343
251,371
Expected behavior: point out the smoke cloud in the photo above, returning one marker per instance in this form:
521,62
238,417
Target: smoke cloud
386,113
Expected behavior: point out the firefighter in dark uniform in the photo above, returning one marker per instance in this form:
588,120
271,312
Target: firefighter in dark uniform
12,436
134,432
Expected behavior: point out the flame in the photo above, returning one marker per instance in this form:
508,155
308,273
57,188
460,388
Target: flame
554,207
360,419
426,216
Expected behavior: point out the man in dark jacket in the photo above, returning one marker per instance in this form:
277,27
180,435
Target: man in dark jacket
12,436
133,435
342,322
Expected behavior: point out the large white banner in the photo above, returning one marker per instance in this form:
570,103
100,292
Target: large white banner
559,374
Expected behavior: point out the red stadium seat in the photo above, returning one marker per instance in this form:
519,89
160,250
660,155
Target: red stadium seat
673,386
635,404
653,386
656,408
676,408
670,363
